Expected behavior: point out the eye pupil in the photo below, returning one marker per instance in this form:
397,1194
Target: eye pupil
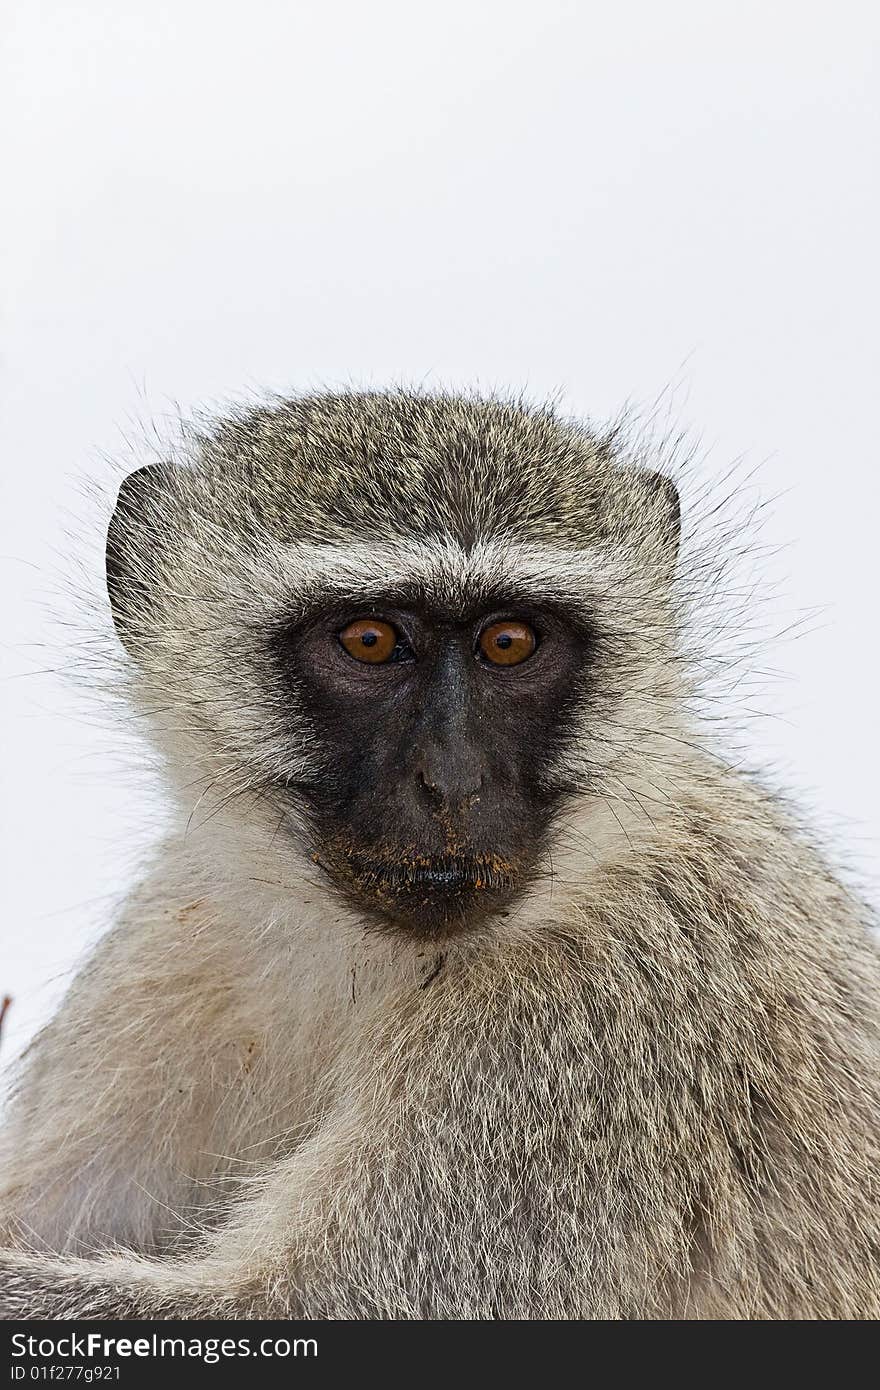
504,641
370,639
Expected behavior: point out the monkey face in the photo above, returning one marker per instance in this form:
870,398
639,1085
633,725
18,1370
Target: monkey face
433,805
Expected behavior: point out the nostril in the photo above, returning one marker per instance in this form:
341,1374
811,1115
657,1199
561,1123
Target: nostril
428,783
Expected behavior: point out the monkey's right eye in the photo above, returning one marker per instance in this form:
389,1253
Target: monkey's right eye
370,639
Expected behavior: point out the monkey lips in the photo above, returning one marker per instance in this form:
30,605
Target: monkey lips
434,894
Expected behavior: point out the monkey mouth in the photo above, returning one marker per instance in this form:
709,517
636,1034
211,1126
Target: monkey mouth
429,892
444,874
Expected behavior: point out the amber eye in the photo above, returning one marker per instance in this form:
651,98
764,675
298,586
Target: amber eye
507,644
369,639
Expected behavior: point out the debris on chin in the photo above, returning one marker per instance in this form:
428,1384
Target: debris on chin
425,921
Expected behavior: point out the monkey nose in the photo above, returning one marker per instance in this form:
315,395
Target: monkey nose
447,789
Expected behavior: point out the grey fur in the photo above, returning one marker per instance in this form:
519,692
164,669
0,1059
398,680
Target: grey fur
650,1092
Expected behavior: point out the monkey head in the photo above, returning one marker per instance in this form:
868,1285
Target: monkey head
395,635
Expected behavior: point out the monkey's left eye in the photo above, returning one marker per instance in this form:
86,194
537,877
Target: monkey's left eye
508,643
374,641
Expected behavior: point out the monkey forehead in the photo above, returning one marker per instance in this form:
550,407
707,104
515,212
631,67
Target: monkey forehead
438,572
384,464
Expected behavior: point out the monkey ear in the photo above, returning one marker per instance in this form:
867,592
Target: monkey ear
133,549
659,509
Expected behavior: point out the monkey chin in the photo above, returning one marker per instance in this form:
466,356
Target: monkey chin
430,895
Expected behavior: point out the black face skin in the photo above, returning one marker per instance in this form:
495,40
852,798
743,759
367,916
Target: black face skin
433,810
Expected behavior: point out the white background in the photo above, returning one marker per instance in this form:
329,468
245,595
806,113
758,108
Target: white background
204,198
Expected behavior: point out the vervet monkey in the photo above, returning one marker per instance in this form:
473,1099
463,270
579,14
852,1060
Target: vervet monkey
466,983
